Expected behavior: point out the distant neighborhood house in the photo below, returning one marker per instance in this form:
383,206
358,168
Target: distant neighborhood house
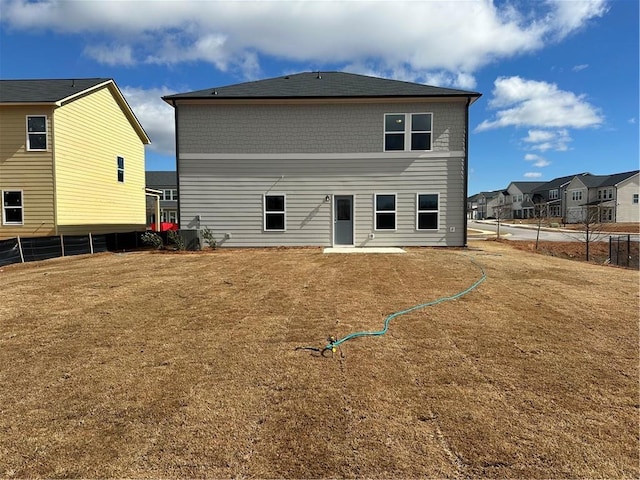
572,199
71,158
166,184
326,159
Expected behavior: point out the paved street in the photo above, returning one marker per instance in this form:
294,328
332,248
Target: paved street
522,232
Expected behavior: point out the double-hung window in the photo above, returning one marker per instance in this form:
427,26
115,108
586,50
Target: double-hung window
385,211
553,194
400,135
427,211
394,131
576,195
635,198
36,133
12,213
120,166
169,194
275,213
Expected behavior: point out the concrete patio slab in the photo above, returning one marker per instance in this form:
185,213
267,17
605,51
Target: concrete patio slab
363,250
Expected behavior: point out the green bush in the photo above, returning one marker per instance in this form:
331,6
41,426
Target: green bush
152,239
207,235
175,238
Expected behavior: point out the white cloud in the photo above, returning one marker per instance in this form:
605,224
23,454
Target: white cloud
111,54
532,175
155,115
530,103
570,16
578,68
451,40
543,140
632,120
537,160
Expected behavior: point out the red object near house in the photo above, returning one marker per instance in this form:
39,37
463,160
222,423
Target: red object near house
164,226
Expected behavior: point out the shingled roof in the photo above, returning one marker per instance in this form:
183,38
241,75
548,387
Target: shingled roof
57,92
323,85
45,91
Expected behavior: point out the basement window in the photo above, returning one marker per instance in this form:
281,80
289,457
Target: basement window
274,213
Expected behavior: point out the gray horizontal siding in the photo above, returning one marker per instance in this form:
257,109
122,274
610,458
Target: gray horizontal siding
227,195
308,128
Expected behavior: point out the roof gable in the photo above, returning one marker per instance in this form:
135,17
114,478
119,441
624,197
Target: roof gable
45,91
526,187
323,85
57,92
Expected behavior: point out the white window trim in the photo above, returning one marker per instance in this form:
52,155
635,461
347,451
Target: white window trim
46,134
173,194
264,212
376,211
407,131
4,220
553,194
418,212
118,169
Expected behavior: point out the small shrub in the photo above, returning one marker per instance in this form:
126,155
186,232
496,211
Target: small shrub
152,239
175,238
207,234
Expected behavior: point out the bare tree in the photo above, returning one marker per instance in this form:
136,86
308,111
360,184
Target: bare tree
501,212
540,212
592,226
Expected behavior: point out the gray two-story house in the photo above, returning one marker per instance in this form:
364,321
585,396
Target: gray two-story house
165,183
603,198
324,159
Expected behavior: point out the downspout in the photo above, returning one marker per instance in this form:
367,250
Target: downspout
175,107
53,172
466,170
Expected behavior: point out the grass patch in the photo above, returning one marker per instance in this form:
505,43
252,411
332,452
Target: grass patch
184,365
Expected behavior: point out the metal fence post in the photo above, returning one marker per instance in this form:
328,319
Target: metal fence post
62,244
20,249
90,243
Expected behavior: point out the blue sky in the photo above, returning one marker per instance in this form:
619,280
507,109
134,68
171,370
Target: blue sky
559,78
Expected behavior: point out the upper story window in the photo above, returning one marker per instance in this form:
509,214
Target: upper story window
553,194
635,198
427,211
576,195
275,212
605,194
120,165
169,194
385,211
36,133
414,135
12,207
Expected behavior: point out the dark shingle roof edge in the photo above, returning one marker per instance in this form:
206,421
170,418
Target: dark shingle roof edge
322,85
161,178
45,90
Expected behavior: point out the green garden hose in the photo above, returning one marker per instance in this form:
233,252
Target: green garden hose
333,343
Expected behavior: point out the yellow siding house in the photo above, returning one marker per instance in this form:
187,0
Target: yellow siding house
71,159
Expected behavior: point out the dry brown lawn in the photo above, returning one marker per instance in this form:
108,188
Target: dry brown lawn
185,365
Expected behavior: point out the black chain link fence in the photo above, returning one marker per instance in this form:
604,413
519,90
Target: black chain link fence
31,249
624,251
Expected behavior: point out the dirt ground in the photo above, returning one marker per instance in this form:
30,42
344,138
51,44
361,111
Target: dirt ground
185,365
